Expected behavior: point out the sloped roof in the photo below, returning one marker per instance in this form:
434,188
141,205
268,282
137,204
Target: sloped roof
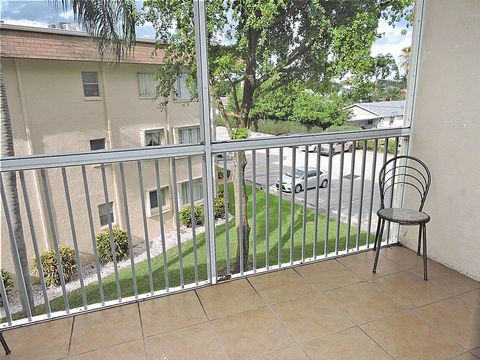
382,108
53,44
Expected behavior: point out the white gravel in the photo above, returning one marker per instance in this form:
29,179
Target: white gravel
90,274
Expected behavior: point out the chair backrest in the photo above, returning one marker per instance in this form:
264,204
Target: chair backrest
408,171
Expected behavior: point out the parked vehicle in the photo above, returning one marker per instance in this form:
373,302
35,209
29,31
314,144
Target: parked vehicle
287,180
325,148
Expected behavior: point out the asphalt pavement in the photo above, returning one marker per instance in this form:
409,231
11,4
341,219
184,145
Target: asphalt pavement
342,204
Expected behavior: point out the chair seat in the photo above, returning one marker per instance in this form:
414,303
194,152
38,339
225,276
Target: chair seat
404,216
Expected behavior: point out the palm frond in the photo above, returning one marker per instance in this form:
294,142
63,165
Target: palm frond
111,23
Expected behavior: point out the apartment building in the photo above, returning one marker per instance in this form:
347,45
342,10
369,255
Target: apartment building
62,99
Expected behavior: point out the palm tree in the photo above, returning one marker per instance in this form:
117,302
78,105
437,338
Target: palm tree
11,194
112,25
405,59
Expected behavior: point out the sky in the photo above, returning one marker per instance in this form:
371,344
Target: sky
41,13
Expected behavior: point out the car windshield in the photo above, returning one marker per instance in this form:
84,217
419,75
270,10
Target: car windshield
298,173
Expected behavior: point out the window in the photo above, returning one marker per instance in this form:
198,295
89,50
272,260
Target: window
97,144
153,200
105,212
370,122
185,191
90,84
188,135
182,88
153,137
147,84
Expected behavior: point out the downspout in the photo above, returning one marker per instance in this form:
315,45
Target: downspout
117,208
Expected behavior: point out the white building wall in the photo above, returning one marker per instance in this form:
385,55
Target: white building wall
446,132
50,115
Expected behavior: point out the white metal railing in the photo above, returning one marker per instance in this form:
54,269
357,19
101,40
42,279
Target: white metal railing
65,207
287,228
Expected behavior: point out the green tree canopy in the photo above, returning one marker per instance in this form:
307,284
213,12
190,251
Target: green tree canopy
312,109
255,47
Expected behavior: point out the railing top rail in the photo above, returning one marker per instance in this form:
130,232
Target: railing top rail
97,157
123,155
307,139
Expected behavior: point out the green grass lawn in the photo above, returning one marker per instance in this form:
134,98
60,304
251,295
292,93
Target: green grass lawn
126,283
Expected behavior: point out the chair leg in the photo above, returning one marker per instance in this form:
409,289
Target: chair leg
376,233
378,242
4,344
420,230
425,259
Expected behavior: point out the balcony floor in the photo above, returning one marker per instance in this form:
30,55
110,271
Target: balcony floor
334,309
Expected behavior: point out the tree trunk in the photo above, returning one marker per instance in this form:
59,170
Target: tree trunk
10,182
241,222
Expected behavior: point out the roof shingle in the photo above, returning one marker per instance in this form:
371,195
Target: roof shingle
28,43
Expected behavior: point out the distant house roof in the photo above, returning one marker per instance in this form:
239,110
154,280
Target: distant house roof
55,44
382,108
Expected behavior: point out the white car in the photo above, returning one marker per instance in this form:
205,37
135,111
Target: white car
300,180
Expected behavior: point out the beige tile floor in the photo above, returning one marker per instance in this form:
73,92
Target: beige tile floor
329,310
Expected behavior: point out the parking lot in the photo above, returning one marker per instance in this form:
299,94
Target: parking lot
340,187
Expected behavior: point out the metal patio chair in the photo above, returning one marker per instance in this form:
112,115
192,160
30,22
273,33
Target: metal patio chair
412,173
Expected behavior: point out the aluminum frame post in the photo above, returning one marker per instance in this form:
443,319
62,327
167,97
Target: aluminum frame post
199,13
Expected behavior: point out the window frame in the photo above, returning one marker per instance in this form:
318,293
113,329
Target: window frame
195,202
112,207
163,136
146,96
176,93
89,97
156,210
176,133
104,144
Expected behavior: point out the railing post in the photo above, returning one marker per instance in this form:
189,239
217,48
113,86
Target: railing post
206,130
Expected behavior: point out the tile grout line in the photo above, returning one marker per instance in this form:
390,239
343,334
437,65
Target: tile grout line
439,330
321,291
141,328
300,343
380,346
450,295
466,302
273,312
211,325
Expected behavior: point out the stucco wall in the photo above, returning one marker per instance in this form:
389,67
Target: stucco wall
50,115
446,131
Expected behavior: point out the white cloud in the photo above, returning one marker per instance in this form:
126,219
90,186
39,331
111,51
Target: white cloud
392,40
26,22
394,48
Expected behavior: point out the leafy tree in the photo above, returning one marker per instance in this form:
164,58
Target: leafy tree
377,90
263,45
276,105
312,109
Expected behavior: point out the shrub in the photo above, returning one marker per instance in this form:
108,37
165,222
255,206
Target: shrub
50,265
185,215
239,133
7,280
221,173
219,205
380,145
120,238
